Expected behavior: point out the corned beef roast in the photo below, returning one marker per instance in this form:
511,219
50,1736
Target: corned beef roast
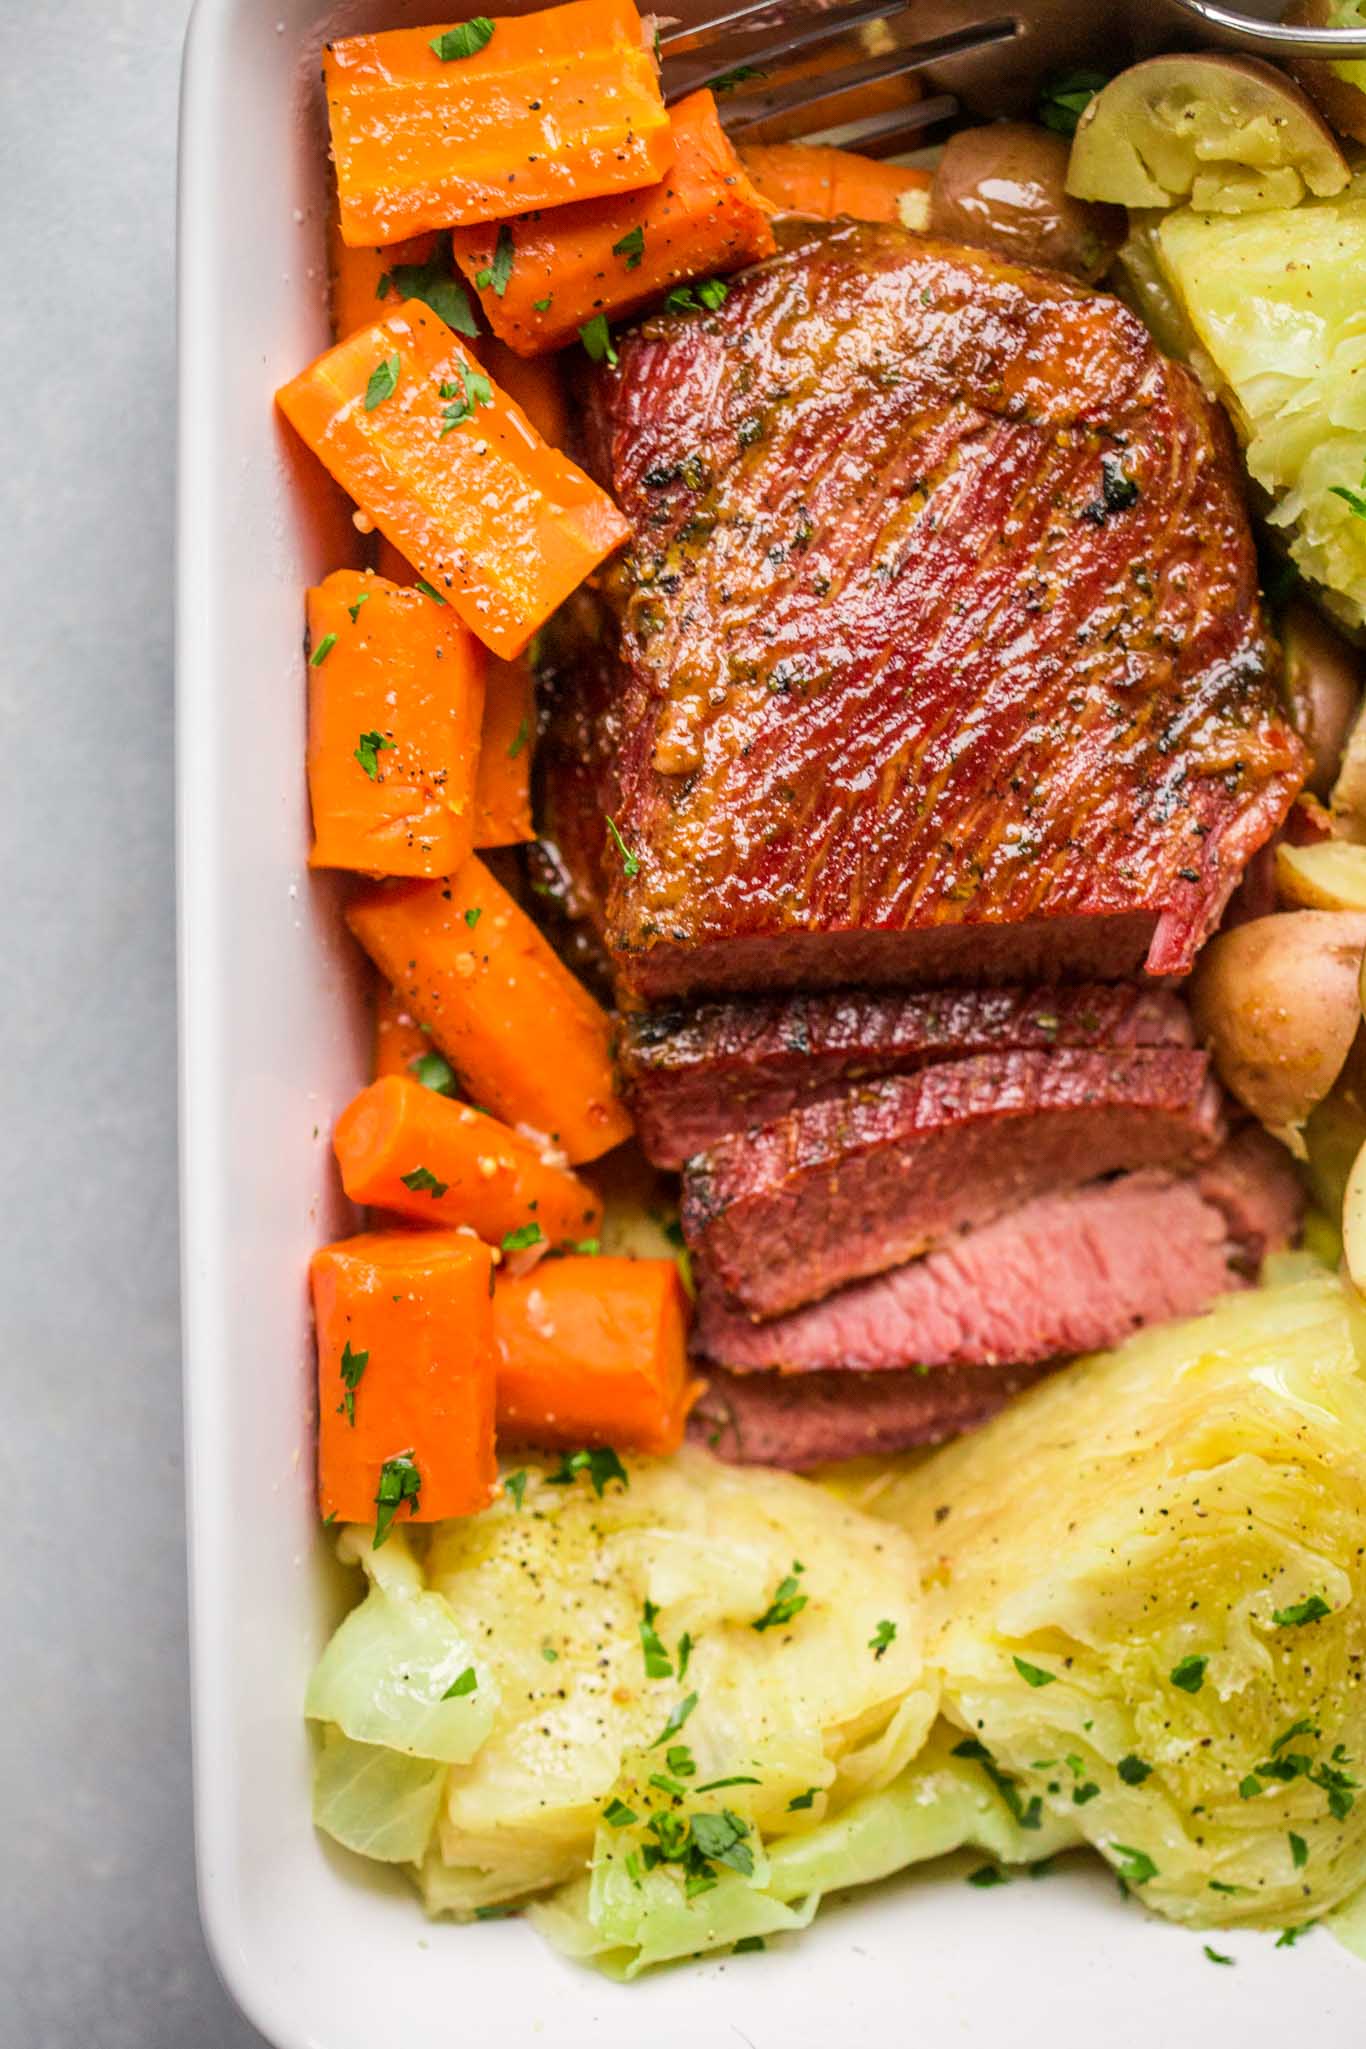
936,1347
691,1077
937,654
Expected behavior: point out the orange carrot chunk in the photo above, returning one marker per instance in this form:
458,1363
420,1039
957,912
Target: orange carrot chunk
405,1377
422,1156
395,710
431,126
363,281
502,789
400,1041
826,184
453,473
525,1037
593,1351
564,267
531,382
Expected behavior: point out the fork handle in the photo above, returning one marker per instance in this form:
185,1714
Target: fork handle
1272,38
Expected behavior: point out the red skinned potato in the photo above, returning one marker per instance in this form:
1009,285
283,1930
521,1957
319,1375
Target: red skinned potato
1323,691
1340,100
1277,1003
1004,188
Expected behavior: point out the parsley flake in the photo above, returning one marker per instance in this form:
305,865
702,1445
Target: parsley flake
428,591
524,1236
1136,1866
353,1365
987,1875
1216,1956
1033,1675
1299,1851
1189,1673
434,285
630,864
1133,1771
363,599
496,274
658,1663
435,1072
882,1637
515,1485
1311,1609
477,392
631,248
519,740
618,1815
542,305
369,747
322,650
601,1465
743,74
466,1683
721,1840
383,382
473,915
596,337
800,1800
1354,500
1288,1937
786,1603
399,1481
677,1717
422,1181
684,1648
466,39
1066,97
748,1945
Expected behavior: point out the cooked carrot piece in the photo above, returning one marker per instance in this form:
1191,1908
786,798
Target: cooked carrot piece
405,1376
527,1040
432,126
417,1153
609,256
399,1039
502,790
453,473
823,184
593,1351
533,383
395,709
362,280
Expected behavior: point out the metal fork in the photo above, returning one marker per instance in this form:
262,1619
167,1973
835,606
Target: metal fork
969,55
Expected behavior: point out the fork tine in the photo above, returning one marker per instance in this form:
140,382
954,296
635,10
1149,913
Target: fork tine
823,30
809,92
689,37
888,133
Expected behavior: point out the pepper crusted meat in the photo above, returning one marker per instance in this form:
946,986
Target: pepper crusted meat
937,653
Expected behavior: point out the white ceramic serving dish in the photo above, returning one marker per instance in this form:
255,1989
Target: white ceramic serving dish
318,1949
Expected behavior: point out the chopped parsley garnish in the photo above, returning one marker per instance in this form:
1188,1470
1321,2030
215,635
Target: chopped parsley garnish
363,599
1081,1794
1218,1885
786,1603
596,337
711,292
986,1875
664,1784
618,1815
680,1760
630,865
721,1840
515,1485
748,1945
743,74
677,1718
1304,1727
1136,1866
435,1072
1249,1788
1025,1816
631,248
369,747
466,39
1299,1851
466,1683
434,285
1312,1609
550,1654
1033,1675
428,591
684,1653
882,1637
353,1364
322,650
1189,1673
1288,1937
658,1663
383,382
473,915
1355,500
519,740
505,1911
601,1465
522,1237
477,392
422,1181
1216,1956
800,1800
542,305
499,271
399,1481
1133,1771
1066,97
738,1779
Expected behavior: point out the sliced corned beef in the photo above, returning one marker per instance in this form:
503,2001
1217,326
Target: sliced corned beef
692,1076
1066,1273
866,1180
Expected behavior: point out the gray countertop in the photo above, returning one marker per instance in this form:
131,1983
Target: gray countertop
99,1931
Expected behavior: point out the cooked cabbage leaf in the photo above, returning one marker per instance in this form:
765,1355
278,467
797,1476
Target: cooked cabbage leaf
1275,303
1150,1601
377,1802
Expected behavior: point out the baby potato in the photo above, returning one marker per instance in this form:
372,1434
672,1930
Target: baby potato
1323,690
1342,104
1277,1003
1229,134
1004,188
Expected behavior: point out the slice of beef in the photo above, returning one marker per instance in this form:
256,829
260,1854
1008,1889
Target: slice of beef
691,1076
1063,1274
769,1419
884,1171
936,654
